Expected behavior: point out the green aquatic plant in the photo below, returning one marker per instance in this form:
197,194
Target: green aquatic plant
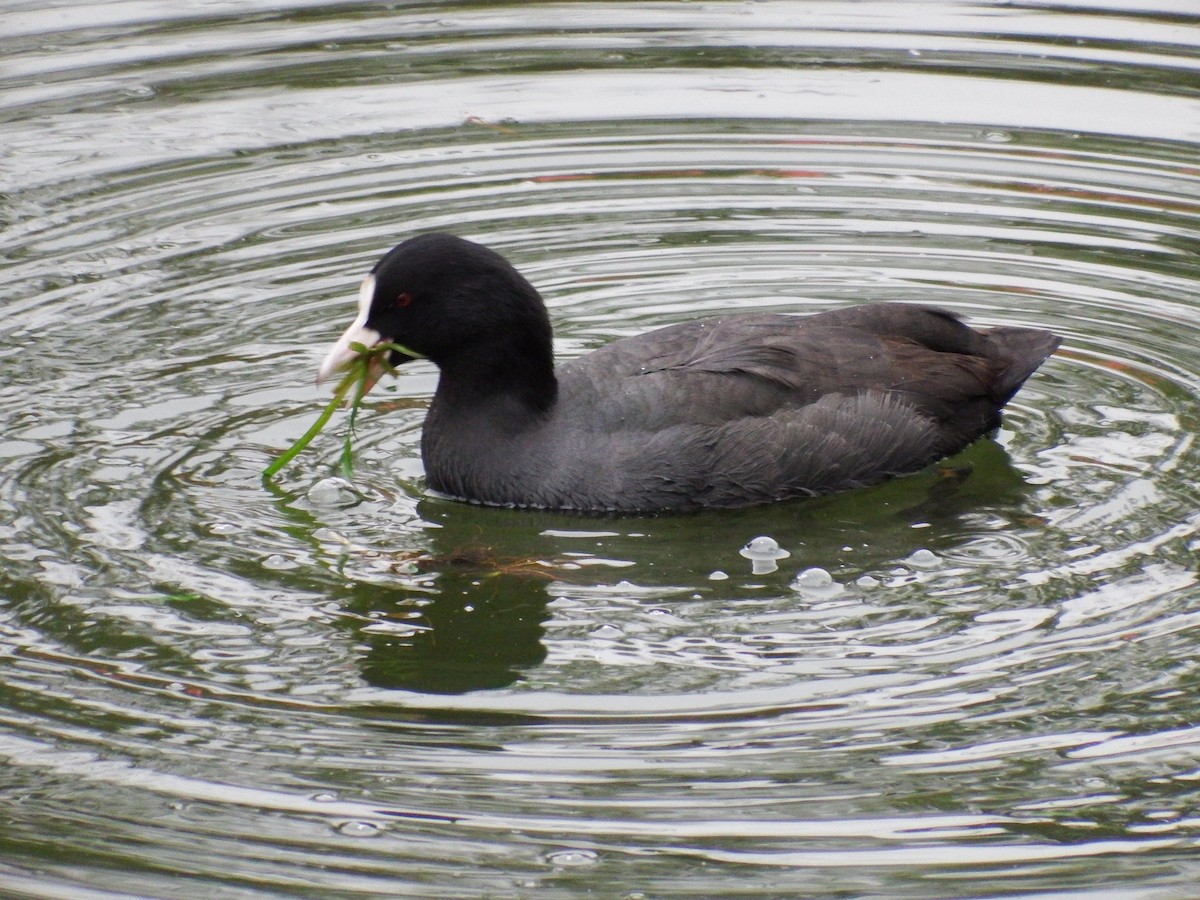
361,375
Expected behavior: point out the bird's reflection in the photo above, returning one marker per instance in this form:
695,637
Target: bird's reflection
467,610
476,623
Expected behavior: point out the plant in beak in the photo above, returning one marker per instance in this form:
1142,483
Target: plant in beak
361,374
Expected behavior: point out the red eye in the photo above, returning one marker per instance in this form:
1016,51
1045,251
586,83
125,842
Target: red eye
403,300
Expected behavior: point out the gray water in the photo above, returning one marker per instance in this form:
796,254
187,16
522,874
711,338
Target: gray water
215,687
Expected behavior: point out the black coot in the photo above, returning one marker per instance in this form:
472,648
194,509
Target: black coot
719,412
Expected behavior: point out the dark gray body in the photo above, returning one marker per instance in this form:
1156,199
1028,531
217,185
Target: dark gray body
735,411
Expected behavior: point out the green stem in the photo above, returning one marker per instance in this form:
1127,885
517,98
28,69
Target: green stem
339,396
360,391
356,377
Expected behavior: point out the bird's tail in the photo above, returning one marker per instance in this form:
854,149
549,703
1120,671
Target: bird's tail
1021,351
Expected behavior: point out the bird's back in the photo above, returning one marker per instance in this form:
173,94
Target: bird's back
742,410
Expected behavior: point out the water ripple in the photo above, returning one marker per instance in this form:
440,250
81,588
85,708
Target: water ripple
358,687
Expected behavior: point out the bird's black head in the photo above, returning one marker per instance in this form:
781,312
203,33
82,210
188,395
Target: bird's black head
456,302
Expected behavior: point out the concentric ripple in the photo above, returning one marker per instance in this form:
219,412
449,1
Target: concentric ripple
977,681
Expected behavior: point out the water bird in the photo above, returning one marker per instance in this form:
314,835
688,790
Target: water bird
729,411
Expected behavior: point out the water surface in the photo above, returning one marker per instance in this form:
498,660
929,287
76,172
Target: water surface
215,686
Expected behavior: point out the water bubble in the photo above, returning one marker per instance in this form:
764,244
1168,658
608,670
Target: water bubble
359,829
718,575
815,577
923,559
816,582
334,492
572,858
763,551
867,581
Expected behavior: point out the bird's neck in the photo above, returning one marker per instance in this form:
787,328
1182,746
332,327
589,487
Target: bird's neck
518,377
481,434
